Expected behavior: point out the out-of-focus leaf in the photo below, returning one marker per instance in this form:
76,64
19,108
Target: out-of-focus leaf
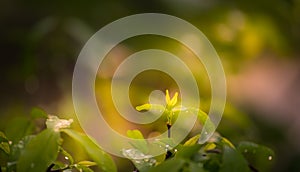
40,152
67,155
195,167
227,142
258,156
59,166
103,160
192,140
232,160
87,163
188,151
143,107
167,143
139,159
147,106
19,127
83,168
38,113
139,142
174,164
17,148
212,161
3,137
4,145
209,146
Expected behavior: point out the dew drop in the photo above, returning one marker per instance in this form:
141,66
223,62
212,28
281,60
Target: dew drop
175,150
270,158
66,158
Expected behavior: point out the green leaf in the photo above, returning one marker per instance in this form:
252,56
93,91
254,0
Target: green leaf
18,127
188,151
166,143
139,142
66,155
3,137
227,142
146,107
140,160
4,145
40,152
233,161
171,102
258,156
135,134
59,166
143,107
87,163
83,168
103,160
196,167
16,150
174,164
38,113
192,140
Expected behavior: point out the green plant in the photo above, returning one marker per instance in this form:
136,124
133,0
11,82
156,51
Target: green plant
22,151
27,152
217,154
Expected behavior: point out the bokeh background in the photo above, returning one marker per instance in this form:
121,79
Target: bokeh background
258,42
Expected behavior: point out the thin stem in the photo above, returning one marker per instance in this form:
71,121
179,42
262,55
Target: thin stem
169,130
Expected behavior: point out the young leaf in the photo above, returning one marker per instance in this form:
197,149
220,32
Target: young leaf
147,106
192,140
171,102
40,152
143,107
103,160
87,163
139,142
